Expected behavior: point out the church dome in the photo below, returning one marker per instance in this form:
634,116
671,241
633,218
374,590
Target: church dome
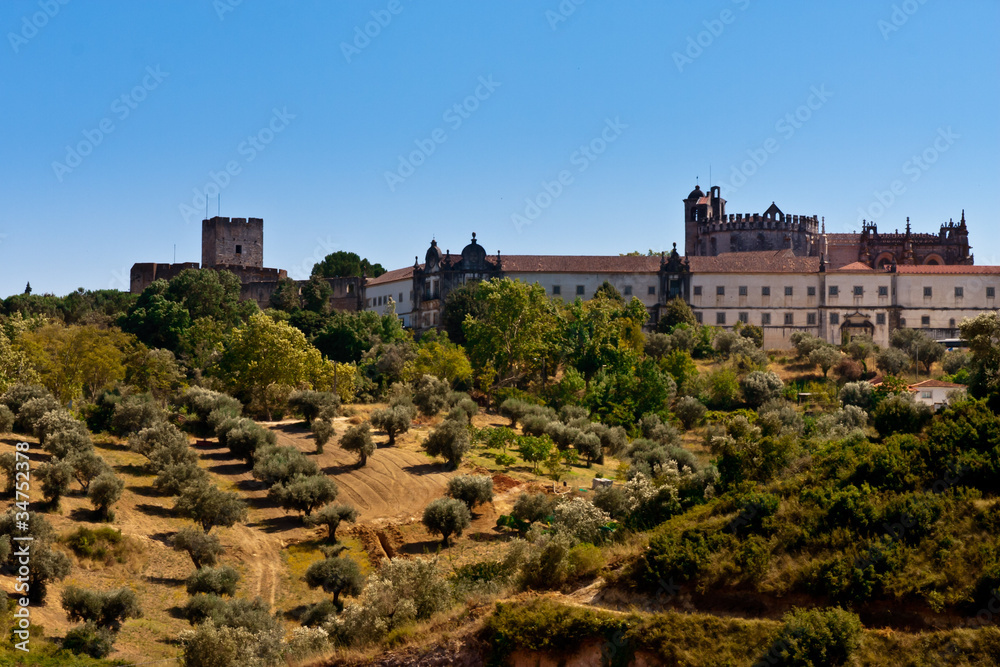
696,193
433,256
473,255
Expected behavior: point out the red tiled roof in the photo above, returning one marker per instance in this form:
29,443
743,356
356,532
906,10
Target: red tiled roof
930,384
761,261
580,263
392,276
855,267
947,269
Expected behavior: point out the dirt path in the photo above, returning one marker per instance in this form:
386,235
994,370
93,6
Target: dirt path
397,483
263,558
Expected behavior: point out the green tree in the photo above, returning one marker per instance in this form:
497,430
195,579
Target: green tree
213,580
203,548
677,311
446,517
983,335
104,492
343,264
462,301
304,493
340,576
471,489
286,296
438,356
394,420
534,449
106,609
358,439
263,354
449,440
331,516
316,295
609,292
516,330
209,506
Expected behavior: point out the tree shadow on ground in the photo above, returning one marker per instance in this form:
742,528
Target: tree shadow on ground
133,470
426,468
156,510
164,538
147,492
227,469
341,468
279,524
165,581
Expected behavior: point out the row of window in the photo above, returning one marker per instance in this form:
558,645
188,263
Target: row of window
626,290
834,290
789,318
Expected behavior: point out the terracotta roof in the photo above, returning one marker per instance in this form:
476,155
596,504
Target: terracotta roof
947,269
580,264
929,384
761,261
855,267
392,276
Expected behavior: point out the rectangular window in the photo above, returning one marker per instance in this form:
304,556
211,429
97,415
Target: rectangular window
789,319
926,394
579,290
743,290
859,290
765,290
925,321
788,291
401,297
991,292
811,319
720,291
765,319
697,317
557,289
720,318
627,291
652,290
697,290
834,318
879,318
810,291
834,290
883,290
411,295
959,292
745,318
239,249
928,292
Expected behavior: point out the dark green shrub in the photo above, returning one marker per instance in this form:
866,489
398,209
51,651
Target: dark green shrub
134,413
201,547
815,637
534,507
675,557
88,639
215,580
900,413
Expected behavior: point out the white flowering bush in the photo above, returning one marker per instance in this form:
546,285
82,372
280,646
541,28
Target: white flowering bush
581,519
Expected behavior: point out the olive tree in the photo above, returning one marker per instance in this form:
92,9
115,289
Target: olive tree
331,516
304,493
393,420
471,489
201,547
449,440
358,439
340,576
209,506
446,517
104,492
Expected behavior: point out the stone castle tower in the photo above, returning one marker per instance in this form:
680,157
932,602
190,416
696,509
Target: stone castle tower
232,242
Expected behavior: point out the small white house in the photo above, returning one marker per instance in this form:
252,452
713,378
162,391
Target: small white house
934,393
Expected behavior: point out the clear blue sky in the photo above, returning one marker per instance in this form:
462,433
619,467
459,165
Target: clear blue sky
884,85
